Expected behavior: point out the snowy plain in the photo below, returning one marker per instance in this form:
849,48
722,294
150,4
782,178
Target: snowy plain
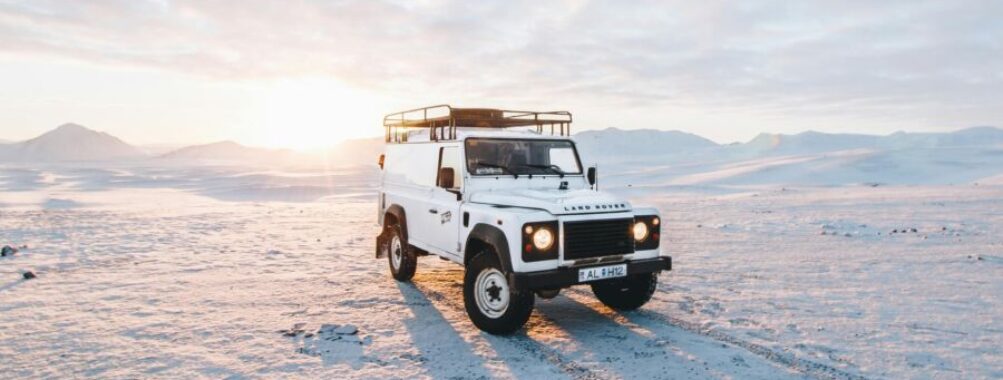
204,271
876,261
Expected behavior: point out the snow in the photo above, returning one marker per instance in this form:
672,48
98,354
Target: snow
207,271
812,256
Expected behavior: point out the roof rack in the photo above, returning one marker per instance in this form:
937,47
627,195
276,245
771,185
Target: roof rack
442,121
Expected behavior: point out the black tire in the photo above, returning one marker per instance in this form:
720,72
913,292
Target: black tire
626,293
400,256
483,270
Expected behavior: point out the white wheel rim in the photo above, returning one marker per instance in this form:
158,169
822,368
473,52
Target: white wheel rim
491,293
396,253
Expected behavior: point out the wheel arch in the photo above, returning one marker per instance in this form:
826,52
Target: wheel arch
487,236
394,215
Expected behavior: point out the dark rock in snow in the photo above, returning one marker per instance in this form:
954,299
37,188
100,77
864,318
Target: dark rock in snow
343,334
337,332
912,230
294,331
8,251
28,275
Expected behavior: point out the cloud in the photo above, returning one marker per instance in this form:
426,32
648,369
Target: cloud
918,60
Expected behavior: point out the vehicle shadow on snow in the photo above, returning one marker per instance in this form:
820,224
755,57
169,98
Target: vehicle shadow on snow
600,337
442,351
515,356
573,337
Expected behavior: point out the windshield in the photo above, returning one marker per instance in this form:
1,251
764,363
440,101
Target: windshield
516,157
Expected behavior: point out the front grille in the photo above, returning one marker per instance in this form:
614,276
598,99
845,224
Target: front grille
594,238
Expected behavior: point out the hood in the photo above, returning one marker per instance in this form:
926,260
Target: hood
557,202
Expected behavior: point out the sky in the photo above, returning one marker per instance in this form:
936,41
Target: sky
304,74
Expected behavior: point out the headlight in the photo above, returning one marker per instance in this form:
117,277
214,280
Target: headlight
543,239
539,241
647,229
640,231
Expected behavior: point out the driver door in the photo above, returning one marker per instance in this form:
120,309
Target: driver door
444,205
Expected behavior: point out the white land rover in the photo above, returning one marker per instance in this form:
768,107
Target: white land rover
515,208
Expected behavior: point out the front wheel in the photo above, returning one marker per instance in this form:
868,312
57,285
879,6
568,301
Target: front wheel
491,303
626,293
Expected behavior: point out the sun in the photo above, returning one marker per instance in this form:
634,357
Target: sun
317,112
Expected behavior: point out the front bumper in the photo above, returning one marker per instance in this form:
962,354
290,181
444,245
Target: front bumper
564,277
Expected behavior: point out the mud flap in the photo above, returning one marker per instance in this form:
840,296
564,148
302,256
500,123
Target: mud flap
381,245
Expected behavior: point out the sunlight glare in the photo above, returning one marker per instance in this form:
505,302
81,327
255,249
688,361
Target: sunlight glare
309,113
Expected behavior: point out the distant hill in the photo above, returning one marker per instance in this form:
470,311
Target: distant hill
156,150
815,158
614,144
227,151
70,142
817,142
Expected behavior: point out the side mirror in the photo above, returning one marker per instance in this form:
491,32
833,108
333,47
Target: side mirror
446,178
591,176
382,157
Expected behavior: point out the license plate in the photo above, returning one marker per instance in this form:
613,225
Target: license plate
602,273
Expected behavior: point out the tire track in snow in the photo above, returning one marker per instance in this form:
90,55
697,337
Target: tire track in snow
564,364
789,360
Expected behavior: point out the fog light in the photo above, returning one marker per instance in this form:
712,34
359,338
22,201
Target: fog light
640,231
543,239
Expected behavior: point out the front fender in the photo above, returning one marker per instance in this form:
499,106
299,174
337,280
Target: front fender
494,238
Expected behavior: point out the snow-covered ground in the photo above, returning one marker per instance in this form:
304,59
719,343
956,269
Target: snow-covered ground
222,272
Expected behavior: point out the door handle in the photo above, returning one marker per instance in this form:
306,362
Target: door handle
434,211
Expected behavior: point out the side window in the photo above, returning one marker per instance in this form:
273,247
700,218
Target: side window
449,157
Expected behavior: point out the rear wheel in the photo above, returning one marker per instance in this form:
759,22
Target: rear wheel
491,303
626,293
403,261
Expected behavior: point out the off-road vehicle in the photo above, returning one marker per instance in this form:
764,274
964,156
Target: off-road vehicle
492,190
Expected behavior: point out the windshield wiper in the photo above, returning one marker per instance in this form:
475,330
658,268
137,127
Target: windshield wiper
554,168
505,169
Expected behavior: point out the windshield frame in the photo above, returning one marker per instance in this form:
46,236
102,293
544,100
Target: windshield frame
574,149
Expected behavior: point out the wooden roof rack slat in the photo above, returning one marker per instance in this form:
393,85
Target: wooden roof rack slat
442,120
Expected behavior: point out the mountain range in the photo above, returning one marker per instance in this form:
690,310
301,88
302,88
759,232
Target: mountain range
629,158
75,143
